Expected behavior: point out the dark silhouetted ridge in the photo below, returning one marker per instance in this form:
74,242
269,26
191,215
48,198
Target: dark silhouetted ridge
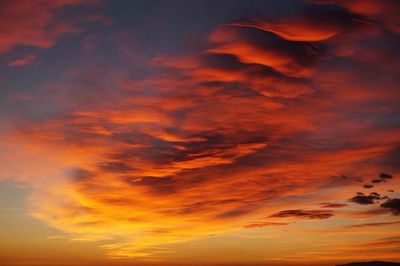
371,263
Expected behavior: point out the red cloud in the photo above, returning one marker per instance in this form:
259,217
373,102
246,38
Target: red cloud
37,24
249,45
264,113
317,23
385,11
26,60
304,214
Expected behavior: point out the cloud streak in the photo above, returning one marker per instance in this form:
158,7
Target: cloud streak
304,214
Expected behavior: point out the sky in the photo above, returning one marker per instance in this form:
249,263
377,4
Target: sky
173,132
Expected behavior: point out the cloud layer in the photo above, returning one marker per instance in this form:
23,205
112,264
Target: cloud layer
267,113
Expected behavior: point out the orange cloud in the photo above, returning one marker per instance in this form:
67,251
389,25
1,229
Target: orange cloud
26,60
258,122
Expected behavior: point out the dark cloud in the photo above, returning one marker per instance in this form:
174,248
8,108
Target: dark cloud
363,199
393,205
304,214
373,212
333,205
368,186
263,224
377,180
385,176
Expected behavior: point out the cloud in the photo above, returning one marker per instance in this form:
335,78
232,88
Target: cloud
226,69
34,27
23,61
255,46
368,186
371,225
265,114
363,199
263,224
237,212
388,242
316,23
382,178
384,11
393,205
385,176
333,205
304,214
26,27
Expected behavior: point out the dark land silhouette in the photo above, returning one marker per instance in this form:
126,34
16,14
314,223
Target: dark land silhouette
371,263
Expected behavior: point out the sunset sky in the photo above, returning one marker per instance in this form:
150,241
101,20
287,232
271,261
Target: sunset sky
212,132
